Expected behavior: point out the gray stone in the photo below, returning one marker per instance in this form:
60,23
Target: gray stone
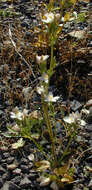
4,148
13,186
1,182
24,160
24,169
89,44
24,24
16,179
32,176
12,166
5,186
44,181
88,128
75,105
80,61
90,183
25,182
90,26
1,112
31,157
10,160
6,176
2,170
54,186
30,165
6,155
17,171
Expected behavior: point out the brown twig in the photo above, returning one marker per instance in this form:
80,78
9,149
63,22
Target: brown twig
14,45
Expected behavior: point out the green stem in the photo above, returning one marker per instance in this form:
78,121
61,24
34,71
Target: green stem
45,109
51,63
39,147
66,150
52,111
51,4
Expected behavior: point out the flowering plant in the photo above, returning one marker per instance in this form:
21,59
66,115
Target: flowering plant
53,22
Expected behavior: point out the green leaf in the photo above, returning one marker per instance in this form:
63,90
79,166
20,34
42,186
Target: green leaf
62,170
42,165
67,179
82,17
20,143
6,134
35,136
11,130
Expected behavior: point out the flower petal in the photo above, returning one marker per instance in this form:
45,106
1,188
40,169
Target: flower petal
48,18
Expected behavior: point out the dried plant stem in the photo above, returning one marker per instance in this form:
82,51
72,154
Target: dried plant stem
81,154
14,45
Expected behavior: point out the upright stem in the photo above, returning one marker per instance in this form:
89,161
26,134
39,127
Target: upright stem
45,109
52,110
51,3
40,148
66,150
51,63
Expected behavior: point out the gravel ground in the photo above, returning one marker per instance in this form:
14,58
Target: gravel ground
17,166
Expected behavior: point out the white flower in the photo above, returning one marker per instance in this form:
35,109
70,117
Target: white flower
69,119
42,58
81,122
75,14
48,18
50,98
44,78
40,90
16,114
74,118
76,115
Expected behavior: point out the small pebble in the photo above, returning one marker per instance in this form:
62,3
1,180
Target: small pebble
11,166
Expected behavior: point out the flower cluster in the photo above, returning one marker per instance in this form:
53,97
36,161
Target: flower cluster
49,97
50,17
16,114
74,118
40,89
44,78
